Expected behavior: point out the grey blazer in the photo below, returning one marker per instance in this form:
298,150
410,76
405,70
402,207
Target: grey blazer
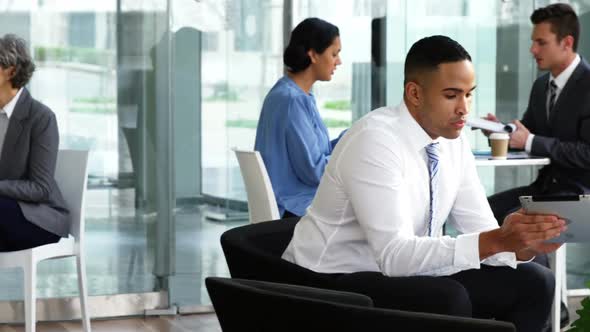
27,165
565,136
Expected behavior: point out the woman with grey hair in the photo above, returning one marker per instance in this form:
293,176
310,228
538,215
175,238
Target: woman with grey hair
32,209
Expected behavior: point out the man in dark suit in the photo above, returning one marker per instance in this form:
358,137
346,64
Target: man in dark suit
32,210
556,123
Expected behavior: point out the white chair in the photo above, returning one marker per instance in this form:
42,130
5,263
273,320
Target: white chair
71,175
262,204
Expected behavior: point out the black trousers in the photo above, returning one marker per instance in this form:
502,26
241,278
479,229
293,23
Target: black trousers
289,214
16,232
522,296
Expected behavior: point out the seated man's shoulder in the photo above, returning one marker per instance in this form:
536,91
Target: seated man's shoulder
380,118
376,129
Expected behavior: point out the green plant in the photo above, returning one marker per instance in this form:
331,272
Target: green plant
223,92
247,123
241,123
582,324
93,109
338,105
95,100
334,123
75,54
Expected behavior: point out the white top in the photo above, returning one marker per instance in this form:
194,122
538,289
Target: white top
563,77
9,108
370,212
560,81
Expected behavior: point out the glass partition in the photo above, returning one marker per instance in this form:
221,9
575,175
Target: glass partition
160,91
243,51
102,67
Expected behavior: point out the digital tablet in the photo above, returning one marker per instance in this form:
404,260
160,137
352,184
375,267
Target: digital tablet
574,209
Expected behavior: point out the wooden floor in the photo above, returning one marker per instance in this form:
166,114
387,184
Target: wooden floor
179,323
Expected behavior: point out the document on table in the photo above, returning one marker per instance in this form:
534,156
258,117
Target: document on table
511,154
497,127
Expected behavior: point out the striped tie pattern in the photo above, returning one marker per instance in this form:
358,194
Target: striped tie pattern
552,95
432,151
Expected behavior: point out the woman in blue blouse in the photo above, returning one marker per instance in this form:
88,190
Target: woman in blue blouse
291,137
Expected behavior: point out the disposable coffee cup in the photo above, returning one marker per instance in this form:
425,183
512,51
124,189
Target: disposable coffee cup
499,142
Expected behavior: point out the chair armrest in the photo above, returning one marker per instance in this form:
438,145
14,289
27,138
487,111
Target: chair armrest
339,297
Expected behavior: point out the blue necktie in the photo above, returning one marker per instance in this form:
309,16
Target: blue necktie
433,157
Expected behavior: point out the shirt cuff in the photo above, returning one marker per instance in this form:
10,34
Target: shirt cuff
528,261
467,251
529,143
501,259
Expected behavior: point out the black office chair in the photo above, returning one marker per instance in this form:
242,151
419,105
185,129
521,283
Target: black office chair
248,305
254,252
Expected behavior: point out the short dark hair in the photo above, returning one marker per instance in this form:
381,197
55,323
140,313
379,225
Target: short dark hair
562,18
312,33
14,53
427,53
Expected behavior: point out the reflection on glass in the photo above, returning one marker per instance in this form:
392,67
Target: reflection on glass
120,82
97,76
242,51
348,94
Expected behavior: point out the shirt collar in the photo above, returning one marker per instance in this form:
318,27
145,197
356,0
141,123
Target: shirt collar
418,139
565,75
9,108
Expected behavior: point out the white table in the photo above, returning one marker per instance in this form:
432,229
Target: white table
557,259
487,161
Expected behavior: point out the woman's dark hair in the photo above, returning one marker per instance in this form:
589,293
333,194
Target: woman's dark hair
14,53
564,21
313,33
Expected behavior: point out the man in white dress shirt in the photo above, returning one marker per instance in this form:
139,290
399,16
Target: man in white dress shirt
394,179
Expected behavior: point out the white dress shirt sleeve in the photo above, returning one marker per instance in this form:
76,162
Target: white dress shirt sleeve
375,184
528,145
471,214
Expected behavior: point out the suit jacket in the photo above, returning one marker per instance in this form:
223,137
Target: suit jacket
27,165
565,136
